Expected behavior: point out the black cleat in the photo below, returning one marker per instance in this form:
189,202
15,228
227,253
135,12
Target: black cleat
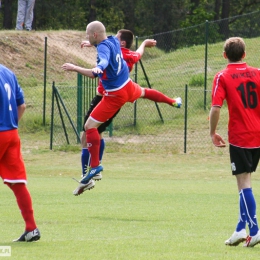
29,236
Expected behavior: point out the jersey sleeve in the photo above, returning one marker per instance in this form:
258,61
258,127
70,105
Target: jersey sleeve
131,57
103,56
218,90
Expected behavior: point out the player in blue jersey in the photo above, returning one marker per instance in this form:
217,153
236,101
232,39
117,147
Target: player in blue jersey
12,169
126,38
119,89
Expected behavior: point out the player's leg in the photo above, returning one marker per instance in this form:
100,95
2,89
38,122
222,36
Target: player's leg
14,176
20,15
243,162
157,96
240,235
93,144
24,202
248,200
103,111
85,155
102,128
29,15
249,206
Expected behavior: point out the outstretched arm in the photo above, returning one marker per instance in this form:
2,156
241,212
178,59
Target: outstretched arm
146,43
213,122
83,71
85,44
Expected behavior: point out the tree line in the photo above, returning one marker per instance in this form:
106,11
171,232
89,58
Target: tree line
143,17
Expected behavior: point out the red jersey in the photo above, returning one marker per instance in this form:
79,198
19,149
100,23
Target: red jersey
131,57
239,84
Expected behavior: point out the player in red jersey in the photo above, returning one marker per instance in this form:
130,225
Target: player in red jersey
12,168
239,85
126,38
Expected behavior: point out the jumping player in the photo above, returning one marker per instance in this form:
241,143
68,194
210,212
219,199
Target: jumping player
126,38
119,89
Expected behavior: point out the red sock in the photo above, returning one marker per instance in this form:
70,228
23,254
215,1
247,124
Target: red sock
93,143
157,96
24,202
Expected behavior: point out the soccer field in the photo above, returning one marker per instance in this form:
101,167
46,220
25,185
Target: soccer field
146,207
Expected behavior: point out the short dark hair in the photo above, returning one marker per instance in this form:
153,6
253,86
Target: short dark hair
234,48
127,36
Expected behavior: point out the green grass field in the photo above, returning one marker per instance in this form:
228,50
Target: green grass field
147,206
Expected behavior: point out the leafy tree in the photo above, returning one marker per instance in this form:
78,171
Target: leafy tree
110,15
143,17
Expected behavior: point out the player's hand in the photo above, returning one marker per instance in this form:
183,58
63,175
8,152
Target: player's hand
97,70
68,67
218,141
85,44
150,43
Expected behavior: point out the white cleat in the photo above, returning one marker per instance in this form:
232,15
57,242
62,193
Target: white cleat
83,187
178,102
252,241
236,238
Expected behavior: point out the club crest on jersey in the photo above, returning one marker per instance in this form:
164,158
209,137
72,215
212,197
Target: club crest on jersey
89,145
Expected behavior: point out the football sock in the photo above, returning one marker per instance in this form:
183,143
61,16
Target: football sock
249,208
85,156
24,202
85,160
93,142
101,149
157,96
242,216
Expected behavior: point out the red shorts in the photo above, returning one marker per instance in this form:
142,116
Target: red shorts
12,169
114,100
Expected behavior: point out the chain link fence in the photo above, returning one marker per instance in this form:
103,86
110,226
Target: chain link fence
183,64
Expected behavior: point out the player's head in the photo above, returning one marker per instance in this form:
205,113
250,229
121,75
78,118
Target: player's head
234,49
126,38
95,32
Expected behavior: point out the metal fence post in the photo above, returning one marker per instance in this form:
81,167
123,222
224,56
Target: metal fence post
44,81
206,63
135,103
185,118
52,115
79,103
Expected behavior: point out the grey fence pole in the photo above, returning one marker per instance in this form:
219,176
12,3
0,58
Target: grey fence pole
185,118
52,115
79,103
206,63
44,83
135,103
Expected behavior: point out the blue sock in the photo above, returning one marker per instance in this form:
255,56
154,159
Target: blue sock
242,217
249,208
85,160
101,149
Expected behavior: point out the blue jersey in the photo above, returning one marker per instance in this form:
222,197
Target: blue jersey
110,60
11,96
